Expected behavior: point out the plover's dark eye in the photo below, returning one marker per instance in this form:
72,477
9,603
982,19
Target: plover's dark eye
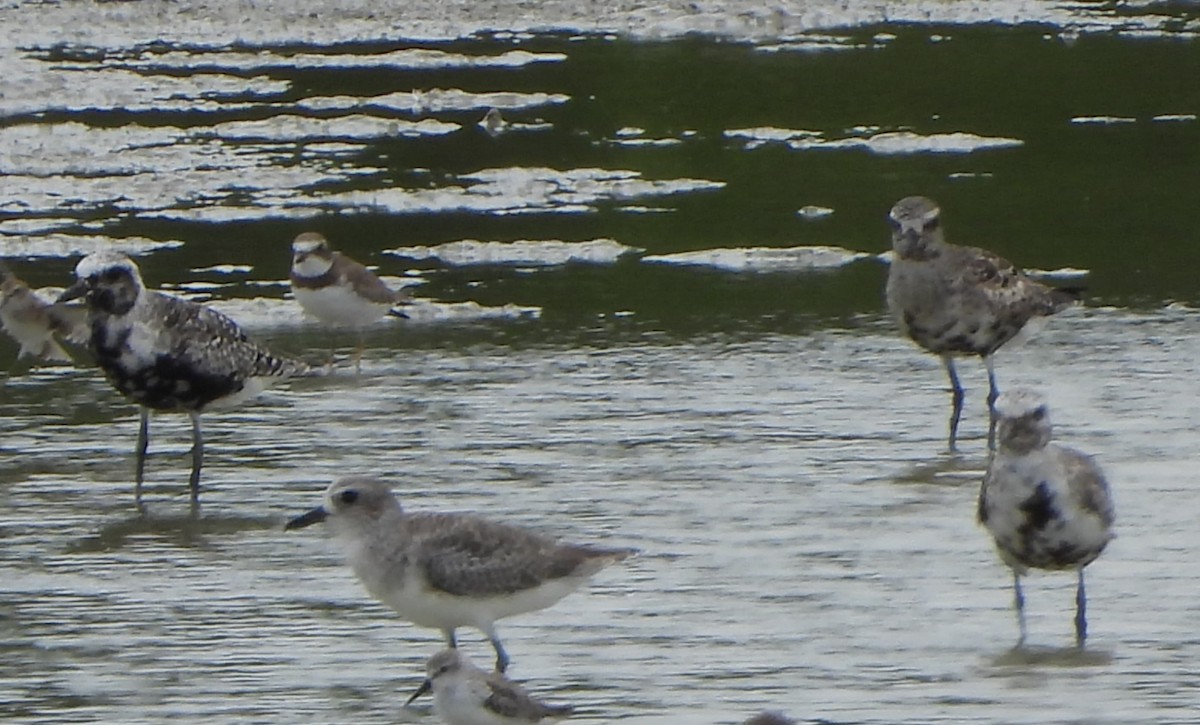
111,275
348,497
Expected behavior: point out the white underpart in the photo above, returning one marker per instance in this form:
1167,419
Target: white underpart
458,699
339,305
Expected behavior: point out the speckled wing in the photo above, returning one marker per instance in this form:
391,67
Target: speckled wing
1088,486
510,700
366,283
1008,291
208,342
470,556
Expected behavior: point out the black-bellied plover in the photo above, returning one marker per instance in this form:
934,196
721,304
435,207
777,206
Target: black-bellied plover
166,353
337,290
37,325
1047,506
955,301
463,694
450,570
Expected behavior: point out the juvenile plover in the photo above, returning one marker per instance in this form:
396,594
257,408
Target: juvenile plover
1047,506
37,325
166,353
463,694
337,290
450,570
956,301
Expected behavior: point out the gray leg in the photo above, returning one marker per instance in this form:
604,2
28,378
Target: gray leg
1019,604
451,641
993,393
956,391
197,461
143,442
501,655
1080,613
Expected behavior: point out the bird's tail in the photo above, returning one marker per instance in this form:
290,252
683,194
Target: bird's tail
1060,298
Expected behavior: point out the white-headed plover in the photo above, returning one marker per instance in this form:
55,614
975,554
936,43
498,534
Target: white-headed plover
37,325
450,570
1047,506
463,694
955,301
337,290
169,354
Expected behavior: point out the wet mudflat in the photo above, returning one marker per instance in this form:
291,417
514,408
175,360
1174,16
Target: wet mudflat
649,314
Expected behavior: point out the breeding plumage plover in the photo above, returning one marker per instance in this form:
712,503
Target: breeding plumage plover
450,570
1047,506
337,290
955,301
166,353
463,694
35,323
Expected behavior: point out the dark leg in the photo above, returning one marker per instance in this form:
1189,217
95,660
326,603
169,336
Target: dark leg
1019,603
358,353
956,391
197,461
451,642
1080,613
993,393
143,442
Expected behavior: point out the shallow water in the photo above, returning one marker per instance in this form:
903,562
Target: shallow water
686,353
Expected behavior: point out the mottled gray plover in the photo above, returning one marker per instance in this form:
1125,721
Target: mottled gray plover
954,300
463,694
337,290
1047,506
35,323
450,570
166,353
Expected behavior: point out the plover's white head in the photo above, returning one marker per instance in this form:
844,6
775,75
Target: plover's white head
1024,420
109,282
916,225
311,255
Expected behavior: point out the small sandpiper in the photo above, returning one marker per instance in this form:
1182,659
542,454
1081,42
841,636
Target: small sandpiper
339,291
166,353
450,570
463,694
956,301
37,325
1047,506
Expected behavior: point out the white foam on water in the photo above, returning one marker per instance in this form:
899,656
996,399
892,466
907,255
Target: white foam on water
545,253
61,245
274,312
763,259
435,100
813,212
907,142
1102,120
